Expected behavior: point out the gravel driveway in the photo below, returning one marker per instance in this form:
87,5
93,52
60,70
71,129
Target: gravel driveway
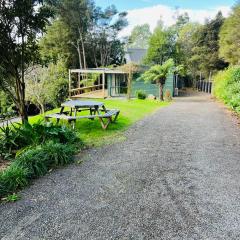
177,176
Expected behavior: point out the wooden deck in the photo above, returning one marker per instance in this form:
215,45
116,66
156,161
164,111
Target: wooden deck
94,94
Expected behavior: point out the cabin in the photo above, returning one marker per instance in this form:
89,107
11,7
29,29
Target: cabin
109,83
97,83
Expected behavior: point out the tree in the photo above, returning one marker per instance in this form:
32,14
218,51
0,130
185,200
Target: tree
139,37
20,24
103,39
130,68
158,74
160,46
186,42
230,38
206,50
55,44
47,85
36,87
77,15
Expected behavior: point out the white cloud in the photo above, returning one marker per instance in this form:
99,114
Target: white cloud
151,15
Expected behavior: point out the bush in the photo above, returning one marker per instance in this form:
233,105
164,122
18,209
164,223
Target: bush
32,163
227,87
141,94
40,159
16,137
11,179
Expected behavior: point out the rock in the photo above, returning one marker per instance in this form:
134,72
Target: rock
151,97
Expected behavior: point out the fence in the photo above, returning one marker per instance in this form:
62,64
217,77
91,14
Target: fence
204,86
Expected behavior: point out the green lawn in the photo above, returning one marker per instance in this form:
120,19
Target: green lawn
92,133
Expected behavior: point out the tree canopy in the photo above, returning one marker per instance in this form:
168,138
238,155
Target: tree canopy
140,36
230,38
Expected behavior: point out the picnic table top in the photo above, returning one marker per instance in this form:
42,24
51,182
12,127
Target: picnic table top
80,103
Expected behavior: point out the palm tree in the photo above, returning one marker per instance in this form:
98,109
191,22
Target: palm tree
158,74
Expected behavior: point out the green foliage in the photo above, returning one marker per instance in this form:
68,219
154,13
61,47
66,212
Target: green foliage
140,94
39,160
17,138
158,74
55,43
229,37
206,49
47,85
160,46
11,179
34,162
20,24
139,37
12,198
227,87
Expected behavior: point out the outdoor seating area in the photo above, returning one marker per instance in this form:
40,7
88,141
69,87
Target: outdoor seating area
96,110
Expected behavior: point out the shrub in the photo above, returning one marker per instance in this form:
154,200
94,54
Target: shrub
11,179
32,163
141,94
227,87
16,137
40,159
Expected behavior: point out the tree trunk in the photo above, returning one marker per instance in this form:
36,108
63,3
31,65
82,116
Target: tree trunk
83,49
79,56
161,92
20,83
129,85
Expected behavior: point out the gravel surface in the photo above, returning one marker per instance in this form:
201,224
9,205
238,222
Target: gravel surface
177,176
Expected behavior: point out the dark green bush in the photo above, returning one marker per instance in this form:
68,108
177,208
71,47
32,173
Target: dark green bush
13,178
40,159
15,137
32,163
141,94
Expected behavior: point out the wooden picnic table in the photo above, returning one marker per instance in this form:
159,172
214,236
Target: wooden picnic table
79,105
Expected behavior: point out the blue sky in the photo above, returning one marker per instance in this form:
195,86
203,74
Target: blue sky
150,11
193,4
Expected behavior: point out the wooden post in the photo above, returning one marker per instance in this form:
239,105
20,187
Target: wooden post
103,76
69,77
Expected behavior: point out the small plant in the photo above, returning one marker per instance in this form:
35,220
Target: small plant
12,198
141,94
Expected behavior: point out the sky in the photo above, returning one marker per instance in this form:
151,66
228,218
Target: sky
150,11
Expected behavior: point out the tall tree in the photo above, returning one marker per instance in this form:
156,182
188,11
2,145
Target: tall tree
140,36
206,50
160,46
77,15
20,24
55,44
230,37
185,44
103,37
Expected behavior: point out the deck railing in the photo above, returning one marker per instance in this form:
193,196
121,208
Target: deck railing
81,90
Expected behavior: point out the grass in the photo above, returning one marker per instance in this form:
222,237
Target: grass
130,111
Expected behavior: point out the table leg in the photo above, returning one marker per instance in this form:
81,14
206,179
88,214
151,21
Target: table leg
61,111
104,108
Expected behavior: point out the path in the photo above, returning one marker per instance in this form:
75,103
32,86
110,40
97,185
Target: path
177,176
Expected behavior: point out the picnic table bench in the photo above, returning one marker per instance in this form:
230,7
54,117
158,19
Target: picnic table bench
78,106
